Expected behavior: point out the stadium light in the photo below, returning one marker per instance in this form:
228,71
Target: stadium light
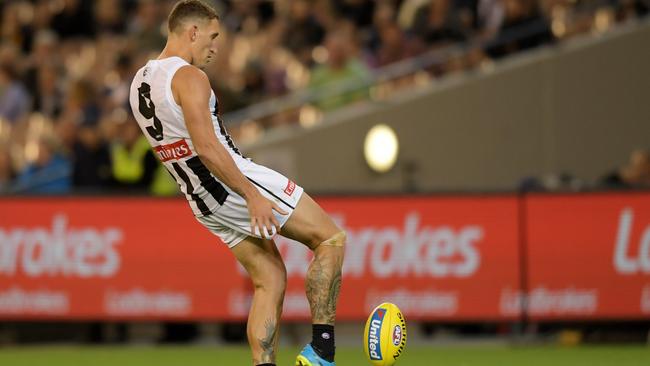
381,148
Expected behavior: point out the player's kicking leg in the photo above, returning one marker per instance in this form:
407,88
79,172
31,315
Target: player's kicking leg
265,267
310,225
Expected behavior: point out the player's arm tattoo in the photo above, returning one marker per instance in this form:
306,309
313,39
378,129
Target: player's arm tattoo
322,290
267,343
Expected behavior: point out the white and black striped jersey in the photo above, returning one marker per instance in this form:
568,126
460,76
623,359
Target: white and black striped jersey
162,122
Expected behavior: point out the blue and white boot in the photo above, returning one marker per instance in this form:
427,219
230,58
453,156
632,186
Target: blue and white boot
309,357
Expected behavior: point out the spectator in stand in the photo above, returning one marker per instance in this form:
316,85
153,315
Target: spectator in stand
145,27
247,16
31,31
82,106
132,162
92,160
359,12
117,91
74,20
631,8
521,17
48,96
42,74
134,166
50,173
304,32
436,24
10,27
387,42
254,89
490,15
109,16
14,100
385,15
467,13
393,45
6,171
340,67
635,174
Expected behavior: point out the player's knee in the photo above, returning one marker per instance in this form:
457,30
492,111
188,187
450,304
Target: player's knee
278,280
273,279
337,240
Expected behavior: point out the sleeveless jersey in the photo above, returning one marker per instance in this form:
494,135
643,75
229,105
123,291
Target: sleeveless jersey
162,122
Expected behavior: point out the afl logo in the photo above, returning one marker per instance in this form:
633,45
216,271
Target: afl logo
397,335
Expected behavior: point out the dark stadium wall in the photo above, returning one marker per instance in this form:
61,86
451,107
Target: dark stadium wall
579,107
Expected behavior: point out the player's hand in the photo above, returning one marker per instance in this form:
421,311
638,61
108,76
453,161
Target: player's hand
263,221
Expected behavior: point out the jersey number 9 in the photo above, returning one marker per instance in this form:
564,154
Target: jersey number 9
148,111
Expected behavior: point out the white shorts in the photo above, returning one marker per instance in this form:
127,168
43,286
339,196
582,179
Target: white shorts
231,222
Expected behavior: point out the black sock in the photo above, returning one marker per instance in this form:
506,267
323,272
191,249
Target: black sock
322,341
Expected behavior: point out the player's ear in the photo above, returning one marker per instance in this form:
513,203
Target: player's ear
193,32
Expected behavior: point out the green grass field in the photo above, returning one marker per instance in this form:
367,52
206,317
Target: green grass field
414,356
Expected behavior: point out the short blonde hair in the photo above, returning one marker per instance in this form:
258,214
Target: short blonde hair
187,9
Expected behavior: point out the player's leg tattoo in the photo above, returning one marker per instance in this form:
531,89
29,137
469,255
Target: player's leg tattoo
267,339
267,343
323,283
263,263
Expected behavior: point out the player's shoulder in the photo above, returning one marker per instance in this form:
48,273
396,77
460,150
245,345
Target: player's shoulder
139,74
190,80
191,75
142,76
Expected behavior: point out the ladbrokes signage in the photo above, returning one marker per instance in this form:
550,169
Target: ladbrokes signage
110,258
589,256
440,258
437,258
59,250
125,258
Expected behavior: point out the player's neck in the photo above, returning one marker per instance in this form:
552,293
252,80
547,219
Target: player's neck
175,49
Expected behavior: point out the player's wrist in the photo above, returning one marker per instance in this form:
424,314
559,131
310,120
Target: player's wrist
251,194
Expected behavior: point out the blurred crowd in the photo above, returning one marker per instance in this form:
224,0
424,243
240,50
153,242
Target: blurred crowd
66,67
634,173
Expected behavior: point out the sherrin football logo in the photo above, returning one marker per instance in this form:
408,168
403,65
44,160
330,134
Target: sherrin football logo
385,335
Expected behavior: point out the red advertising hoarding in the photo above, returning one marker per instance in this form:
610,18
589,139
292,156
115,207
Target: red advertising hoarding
125,258
588,256
110,258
